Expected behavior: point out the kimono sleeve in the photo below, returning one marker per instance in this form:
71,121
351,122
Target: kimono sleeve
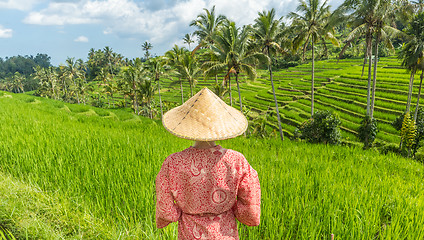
247,208
166,209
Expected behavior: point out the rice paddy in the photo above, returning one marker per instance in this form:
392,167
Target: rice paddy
78,172
339,87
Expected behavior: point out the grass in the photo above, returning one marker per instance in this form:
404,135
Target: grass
68,175
31,213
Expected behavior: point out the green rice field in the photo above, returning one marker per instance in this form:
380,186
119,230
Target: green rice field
78,172
339,87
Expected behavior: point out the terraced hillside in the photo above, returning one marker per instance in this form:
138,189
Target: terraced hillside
339,87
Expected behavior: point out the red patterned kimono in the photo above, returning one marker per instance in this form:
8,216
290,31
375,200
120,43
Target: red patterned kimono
205,190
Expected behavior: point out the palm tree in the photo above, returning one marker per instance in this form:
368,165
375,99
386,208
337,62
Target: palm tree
174,59
369,17
383,32
72,72
412,54
233,55
147,90
207,25
188,68
311,27
108,55
157,67
17,83
48,81
188,39
82,79
267,33
418,5
146,46
131,77
104,78
363,21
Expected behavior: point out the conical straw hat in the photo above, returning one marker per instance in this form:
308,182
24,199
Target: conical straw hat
205,117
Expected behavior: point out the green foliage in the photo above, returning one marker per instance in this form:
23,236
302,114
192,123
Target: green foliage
104,58
408,133
259,127
22,66
411,53
285,62
397,123
5,234
367,132
419,124
324,127
389,148
419,155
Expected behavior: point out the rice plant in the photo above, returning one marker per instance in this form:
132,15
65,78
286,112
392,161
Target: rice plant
106,167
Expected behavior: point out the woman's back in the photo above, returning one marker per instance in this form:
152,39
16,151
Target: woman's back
210,188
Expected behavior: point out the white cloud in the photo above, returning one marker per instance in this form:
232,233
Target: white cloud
161,22
81,39
23,5
5,32
121,17
60,13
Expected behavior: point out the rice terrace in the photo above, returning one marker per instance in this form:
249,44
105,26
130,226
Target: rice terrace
335,114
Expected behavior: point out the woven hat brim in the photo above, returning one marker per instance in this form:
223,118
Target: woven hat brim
198,138
205,117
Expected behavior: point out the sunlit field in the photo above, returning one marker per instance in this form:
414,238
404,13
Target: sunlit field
77,172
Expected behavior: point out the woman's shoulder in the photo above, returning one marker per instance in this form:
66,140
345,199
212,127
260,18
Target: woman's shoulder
235,155
177,155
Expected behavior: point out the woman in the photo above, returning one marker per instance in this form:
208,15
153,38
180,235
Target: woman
206,187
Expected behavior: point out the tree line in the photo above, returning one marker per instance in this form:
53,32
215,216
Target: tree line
15,72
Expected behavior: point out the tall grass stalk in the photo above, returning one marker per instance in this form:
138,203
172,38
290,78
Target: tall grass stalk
107,167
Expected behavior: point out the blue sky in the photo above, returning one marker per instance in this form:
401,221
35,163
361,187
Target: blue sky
65,28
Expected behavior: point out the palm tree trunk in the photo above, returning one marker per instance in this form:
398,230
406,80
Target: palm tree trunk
374,81
150,109
76,87
411,83
160,100
369,54
191,87
238,89
418,97
135,104
53,93
231,96
312,82
365,62
216,79
182,94
275,99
